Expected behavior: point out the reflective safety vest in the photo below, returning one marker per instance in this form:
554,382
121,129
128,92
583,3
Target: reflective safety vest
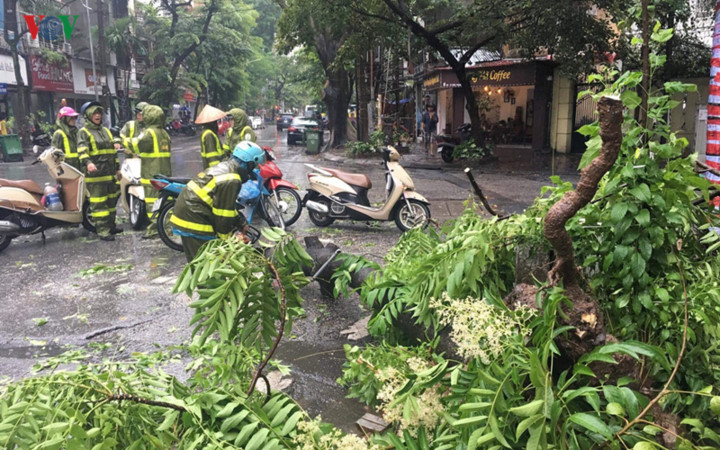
93,150
156,147
215,154
207,206
66,142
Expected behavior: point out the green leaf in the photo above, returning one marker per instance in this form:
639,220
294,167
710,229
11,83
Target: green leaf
525,424
40,321
590,129
630,99
257,440
643,217
715,405
644,445
593,150
591,423
529,409
615,409
170,419
618,212
662,36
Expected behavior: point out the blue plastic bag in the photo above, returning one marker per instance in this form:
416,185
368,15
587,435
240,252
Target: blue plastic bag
249,192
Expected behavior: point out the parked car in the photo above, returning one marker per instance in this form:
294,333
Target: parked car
284,121
223,126
256,122
296,131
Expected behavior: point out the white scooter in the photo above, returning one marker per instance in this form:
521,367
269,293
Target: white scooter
132,194
21,208
334,194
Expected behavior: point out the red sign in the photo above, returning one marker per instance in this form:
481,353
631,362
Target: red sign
54,77
188,96
90,79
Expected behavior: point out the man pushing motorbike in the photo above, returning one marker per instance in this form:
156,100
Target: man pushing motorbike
205,209
98,157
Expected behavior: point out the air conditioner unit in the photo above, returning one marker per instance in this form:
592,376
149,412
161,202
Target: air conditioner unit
67,48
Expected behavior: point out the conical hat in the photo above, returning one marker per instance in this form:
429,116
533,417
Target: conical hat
209,114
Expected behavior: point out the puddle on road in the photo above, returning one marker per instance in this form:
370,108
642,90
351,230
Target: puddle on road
314,369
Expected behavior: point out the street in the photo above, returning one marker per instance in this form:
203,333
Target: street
90,291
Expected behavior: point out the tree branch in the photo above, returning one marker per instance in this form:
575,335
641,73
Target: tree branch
144,401
281,330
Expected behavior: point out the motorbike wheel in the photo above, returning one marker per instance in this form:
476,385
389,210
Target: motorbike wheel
411,214
447,155
165,229
318,218
271,213
138,217
87,222
288,202
5,241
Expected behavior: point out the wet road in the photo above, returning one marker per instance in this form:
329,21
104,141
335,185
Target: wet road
51,281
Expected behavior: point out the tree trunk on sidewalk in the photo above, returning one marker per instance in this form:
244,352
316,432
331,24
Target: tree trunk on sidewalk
336,98
363,97
23,100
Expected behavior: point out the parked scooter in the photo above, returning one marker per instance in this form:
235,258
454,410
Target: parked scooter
334,194
446,143
132,194
23,210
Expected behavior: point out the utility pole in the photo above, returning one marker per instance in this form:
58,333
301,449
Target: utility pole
101,44
92,51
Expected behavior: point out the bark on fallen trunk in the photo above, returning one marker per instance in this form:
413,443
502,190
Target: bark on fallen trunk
585,314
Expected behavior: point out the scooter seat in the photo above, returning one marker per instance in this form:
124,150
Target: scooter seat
180,180
355,179
28,185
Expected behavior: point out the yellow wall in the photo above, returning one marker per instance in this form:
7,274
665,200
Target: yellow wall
563,103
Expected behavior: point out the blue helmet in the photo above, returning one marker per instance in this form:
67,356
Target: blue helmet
249,152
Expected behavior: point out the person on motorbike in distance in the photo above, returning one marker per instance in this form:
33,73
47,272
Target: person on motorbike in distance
210,148
205,209
153,147
98,157
239,128
133,128
65,137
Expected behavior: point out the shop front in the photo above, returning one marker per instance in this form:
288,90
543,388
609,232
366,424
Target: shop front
8,85
513,99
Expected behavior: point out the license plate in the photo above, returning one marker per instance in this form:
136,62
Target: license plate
157,204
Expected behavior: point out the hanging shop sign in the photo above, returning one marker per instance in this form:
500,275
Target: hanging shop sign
508,75
53,77
7,69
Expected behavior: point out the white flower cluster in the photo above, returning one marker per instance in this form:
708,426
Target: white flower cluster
429,406
336,440
479,329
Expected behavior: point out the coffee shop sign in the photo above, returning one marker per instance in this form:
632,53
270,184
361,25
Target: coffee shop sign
491,75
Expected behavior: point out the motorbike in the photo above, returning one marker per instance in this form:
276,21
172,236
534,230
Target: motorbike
283,193
132,194
23,209
446,143
170,187
183,128
40,140
334,194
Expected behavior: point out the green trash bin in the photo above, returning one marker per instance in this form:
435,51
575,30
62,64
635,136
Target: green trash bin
11,148
313,141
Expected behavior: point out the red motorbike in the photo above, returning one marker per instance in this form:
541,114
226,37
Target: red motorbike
283,193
